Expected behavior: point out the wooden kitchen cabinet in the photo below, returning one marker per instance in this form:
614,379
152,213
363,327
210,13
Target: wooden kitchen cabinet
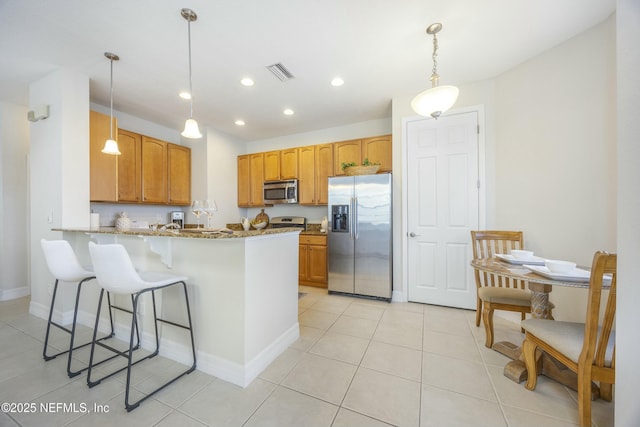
312,263
154,170
282,164
316,166
129,166
324,169
148,170
346,152
289,163
378,150
103,168
271,165
250,180
244,181
307,176
256,173
179,174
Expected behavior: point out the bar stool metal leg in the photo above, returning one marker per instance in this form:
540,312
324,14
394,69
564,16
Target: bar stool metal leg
71,331
115,273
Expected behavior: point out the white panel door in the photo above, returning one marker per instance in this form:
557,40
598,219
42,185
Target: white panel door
442,198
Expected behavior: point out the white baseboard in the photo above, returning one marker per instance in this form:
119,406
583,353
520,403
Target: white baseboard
15,293
243,375
398,296
42,311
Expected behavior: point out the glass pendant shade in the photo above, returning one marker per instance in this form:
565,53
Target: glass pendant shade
435,101
190,126
191,129
111,147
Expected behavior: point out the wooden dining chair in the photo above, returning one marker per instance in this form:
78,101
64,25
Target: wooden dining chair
496,292
588,349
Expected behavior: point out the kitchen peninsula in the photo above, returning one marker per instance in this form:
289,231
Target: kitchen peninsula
243,291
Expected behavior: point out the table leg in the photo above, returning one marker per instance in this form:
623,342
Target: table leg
516,370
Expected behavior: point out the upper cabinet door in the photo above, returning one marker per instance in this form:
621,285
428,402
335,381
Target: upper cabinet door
256,171
103,175
346,152
324,169
129,165
244,181
378,150
154,170
272,166
307,176
179,180
289,163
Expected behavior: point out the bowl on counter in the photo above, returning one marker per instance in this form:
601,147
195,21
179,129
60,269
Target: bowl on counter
557,266
260,225
521,254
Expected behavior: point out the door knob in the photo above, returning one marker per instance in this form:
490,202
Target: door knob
412,234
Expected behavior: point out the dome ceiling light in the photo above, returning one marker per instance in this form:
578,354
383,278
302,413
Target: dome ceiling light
435,101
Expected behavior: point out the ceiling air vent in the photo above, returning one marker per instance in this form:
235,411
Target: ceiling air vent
281,72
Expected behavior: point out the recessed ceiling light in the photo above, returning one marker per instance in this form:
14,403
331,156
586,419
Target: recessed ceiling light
247,82
337,82
185,95
288,112
239,122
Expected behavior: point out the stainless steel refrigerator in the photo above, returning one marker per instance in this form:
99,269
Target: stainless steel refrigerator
359,240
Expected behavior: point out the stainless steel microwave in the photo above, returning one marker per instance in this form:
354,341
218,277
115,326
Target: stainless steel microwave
275,192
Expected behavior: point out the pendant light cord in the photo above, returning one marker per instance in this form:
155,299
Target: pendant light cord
190,85
111,102
434,72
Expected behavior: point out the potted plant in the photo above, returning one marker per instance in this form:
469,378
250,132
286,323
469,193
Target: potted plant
367,168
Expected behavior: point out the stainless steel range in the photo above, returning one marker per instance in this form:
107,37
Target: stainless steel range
288,221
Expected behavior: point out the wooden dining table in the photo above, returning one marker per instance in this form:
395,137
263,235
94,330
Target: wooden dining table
540,287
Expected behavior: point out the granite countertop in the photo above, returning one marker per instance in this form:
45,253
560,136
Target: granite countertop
193,233
312,229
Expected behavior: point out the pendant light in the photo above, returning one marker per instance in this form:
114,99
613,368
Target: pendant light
111,146
190,126
435,101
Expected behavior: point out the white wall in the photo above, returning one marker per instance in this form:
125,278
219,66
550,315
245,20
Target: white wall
14,148
59,168
221,176
627,411
556,154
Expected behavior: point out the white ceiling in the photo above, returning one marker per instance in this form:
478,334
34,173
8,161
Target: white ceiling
379,47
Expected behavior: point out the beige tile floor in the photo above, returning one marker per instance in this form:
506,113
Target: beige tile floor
358,362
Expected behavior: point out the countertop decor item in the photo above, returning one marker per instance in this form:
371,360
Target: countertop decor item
324,224
361,170
367,168
123,222
262,217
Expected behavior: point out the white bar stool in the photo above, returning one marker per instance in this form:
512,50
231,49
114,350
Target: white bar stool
64,266
115,273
